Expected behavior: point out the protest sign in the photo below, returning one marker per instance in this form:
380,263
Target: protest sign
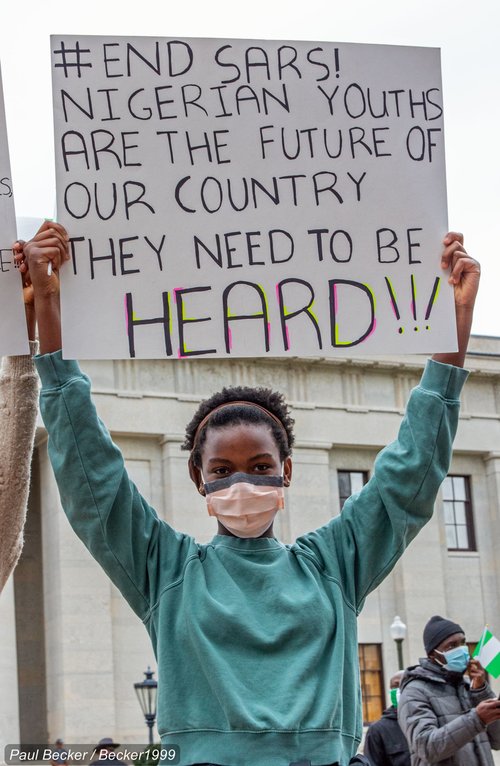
249,198
13,334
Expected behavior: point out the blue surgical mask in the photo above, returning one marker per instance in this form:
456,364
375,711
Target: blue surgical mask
456,659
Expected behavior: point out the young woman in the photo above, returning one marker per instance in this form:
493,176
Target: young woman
256,641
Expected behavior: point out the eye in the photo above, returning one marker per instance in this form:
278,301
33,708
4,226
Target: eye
262,467
222,470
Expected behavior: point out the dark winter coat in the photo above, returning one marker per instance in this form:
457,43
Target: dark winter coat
437,715
385,743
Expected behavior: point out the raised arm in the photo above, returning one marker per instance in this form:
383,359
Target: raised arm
48,246
105,509
465,273
376,525
18,410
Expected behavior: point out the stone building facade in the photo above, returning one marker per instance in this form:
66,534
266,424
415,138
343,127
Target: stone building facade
71,648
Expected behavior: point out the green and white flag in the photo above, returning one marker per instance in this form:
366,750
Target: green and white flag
488,653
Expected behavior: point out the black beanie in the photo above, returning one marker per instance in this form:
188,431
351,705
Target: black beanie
437,629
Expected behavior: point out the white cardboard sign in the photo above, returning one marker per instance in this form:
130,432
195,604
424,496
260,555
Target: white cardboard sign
249,198
13,335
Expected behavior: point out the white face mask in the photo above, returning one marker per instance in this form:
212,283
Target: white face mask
245,504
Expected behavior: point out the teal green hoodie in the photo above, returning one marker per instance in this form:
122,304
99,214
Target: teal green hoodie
256,641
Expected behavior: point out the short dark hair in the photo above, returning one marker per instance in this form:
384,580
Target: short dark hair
270,400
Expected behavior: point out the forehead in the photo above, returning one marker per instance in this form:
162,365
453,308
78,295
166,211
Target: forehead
456,639
247,438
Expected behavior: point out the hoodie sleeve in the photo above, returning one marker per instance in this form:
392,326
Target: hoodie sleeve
375,526
119,528
431,742
18,411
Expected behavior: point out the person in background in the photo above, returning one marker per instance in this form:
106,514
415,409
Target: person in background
256,640
446,718
18,411
385,743
104,752
59,754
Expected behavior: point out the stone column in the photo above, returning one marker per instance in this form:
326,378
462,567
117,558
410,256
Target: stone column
489,541
9,702
78,628
185,508
308,503
419,588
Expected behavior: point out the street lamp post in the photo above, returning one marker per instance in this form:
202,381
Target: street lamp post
146,694
398,634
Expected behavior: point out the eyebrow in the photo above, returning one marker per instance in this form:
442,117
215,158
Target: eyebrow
261,455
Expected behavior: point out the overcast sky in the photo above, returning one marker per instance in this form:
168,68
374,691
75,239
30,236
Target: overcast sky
466,34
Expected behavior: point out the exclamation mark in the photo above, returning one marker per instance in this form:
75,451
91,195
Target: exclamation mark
432,299
413,306
414,300
392,296
337,63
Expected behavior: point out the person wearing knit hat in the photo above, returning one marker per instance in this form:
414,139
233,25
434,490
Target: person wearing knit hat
437,629
447,711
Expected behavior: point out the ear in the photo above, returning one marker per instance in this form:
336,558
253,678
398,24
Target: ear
195,476
287,471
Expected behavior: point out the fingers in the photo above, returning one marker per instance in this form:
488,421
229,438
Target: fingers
52,238
48,245
488,710
462,264
54,227
453,245
453,236
493,709
48,231
456,258
18,253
